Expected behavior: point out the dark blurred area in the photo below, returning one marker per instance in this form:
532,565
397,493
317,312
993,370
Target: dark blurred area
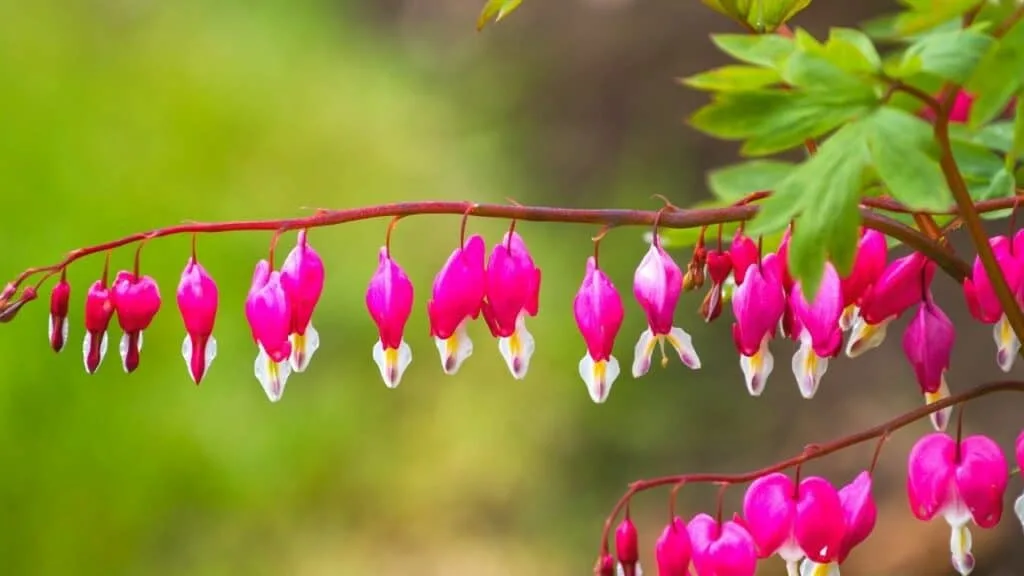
124,115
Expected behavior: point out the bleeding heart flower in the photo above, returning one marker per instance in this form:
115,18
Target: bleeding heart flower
859,516
981,298
743,254
98,311
673,550
302,278
657,284
758,304
719,265
389,301
136,300
269,313
59,302
816,326
721,550
198,299
512,294
599,314
458,294
627,548
902,284
928,345
868,266
962,481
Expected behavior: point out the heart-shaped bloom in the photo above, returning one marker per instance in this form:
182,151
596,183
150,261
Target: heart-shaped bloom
758,304
389,301
719,270
859,516
269,313
512,285
599,314
794,522
59,302
721,550
136,300
928,345
868,266
198,299
902,284
302,278
98,311
743,253
627,548
456,299
657,284
816,326
673,550
981,298
961,482
1018,505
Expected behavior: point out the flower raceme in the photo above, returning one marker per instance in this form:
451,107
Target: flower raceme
457,297
302,279
389,300
269,313
928,345
599,315
512,292
657,285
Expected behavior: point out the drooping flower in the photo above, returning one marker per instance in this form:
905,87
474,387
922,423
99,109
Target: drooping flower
901,285
389,301
1018,505
59,302
457,296
599,314
269,313
859,516
961,482
816,326
302,278
136,300
198,299
605,565
983,303
673,550
758,304
657,284
868,266
725,549
743,253
794,521
719,265
627,548
98,312
512,291
928,345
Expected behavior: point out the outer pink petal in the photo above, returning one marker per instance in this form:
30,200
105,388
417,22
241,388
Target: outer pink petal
673,551
859,512
820,521
769,512
981,479
928,344
930,474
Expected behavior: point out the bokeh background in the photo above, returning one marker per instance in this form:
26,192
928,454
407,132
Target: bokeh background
122,115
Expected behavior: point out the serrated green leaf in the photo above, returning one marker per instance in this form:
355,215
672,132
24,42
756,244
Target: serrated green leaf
1003,185
922,15
906,159
768,50
734,182
998,76
951,56
496,10
735,78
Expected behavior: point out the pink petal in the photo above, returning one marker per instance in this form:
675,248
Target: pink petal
930,474
981,479
769,511
820,524
928,345
859,512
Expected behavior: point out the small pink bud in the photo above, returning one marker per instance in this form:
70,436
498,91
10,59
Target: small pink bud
512,293
758,305
198,299
673,551
627,547
302,279
657,285
136,300
457,296
389,301
59,302
928,345
742,254
269,314
98,311
599,315
605,565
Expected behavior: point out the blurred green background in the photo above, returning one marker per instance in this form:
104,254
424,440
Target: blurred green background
120,116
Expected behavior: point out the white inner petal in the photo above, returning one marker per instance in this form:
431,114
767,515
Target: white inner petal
642,353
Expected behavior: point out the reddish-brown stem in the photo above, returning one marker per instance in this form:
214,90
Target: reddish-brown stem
273,245
462,227
720,503
195,239
927,225
820,450
387,235
673,496
597,244
878,451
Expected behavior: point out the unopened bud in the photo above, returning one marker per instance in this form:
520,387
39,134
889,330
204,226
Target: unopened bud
605,565
711,307
626,546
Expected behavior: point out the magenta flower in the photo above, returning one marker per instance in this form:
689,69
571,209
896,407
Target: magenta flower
599,314
743,253
136,300
269,313
719,270
627,548
605,565
758,304
962,482
1018,505
673,550
657,284
981,298
512,294
457,296
302,278
389,301
816,326
901,285
98,312
859,516
721,550
868,266
59,302
198,299
794,522
928,345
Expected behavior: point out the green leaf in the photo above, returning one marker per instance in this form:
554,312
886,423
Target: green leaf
998,76
951,56
732,183
768,50
759,15
905,156
735,78
977,163
846,42
922,15
496,10
1003,185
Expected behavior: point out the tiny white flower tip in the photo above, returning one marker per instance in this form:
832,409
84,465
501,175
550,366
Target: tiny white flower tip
87,343
1018,509
392,362
272,376
303,348
599,377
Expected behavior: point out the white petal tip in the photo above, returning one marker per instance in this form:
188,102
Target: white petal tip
392,362
454,350
272,376
599,377
303,348
518,349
